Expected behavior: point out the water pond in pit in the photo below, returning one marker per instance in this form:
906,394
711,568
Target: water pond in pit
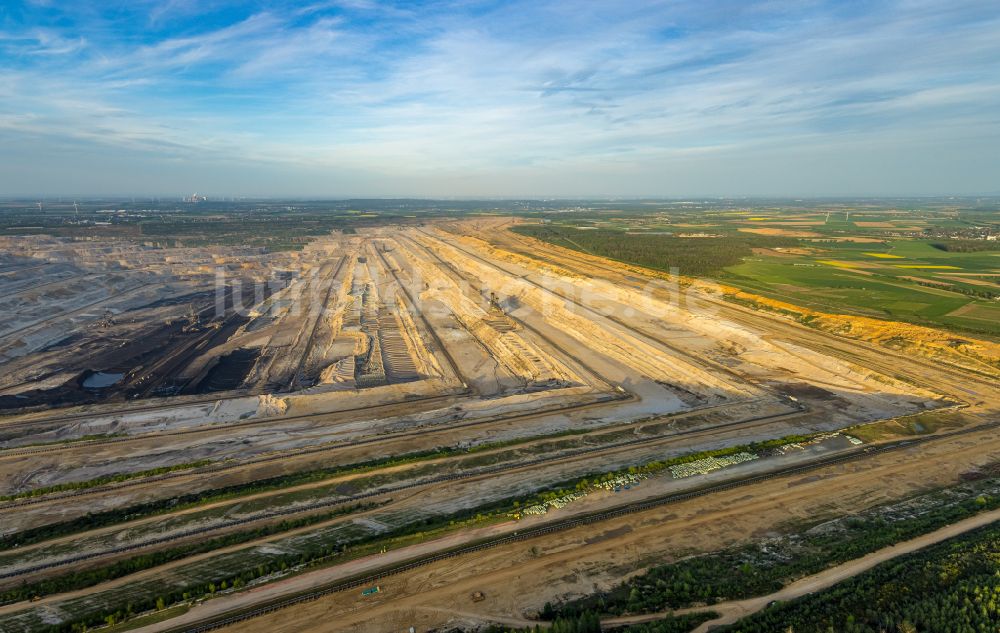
100,380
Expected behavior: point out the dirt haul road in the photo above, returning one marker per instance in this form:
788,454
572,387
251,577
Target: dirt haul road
523,327
730,612
518,579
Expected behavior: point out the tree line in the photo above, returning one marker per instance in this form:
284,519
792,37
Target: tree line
590,622
953,587
690,256
763,568
967,246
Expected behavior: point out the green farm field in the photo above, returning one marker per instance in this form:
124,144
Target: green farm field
876,262
907,280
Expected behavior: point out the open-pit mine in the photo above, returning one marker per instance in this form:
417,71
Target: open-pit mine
439,425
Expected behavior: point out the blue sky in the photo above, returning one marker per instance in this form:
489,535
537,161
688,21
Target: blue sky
467,98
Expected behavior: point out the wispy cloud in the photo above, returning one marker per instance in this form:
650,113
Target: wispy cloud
506,97
40,42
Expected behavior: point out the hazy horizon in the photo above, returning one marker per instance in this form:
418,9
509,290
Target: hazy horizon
69,198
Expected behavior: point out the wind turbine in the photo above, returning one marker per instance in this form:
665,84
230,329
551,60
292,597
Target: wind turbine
39,203
76,208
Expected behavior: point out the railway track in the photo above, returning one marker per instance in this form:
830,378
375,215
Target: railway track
32,450
153,377
531,533
559,526
73,417
64,315
610,398
672,417
62,280
468,279
802,334
379,492
63,419
526,534
415,309
312,331
641,334
882,366
102,442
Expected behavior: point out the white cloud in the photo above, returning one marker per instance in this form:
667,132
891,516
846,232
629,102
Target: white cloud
521,92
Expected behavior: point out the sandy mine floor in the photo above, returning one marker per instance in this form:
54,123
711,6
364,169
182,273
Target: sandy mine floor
447,336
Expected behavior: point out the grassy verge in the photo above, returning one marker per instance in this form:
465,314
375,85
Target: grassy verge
192,500
319,555
148,619
327,553
93,437
103,481
909,426
90,577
